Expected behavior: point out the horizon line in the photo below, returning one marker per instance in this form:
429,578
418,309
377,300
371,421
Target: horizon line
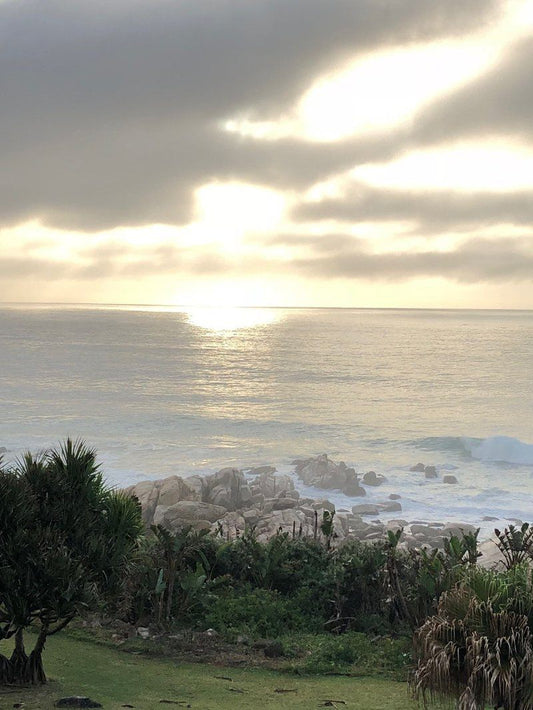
184,305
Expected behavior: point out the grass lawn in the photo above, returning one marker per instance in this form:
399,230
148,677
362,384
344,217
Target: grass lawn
115,678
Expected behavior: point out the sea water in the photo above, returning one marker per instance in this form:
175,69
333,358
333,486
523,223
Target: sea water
161,391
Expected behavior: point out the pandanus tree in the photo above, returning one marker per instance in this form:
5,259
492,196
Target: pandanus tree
478,648
64,539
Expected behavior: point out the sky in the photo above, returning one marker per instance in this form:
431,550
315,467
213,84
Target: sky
350,153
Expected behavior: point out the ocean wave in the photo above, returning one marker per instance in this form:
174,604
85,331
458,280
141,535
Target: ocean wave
493,449
500,449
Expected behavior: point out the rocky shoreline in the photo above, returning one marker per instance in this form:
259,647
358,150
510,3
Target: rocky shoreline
232,501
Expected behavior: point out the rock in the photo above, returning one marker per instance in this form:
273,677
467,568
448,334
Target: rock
251,517
282,503
390,506
187,512
159,514
394,496
228,488
324,505
458,529
449,478
430,472
258,500
270,485
143,632
365,509
422,530
354,490
76,701
490,518
273,649
174,489
164,492
322,472
371,478
260,470
3,450
232,523
418,468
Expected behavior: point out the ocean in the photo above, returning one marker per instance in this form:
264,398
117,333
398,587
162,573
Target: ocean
169,390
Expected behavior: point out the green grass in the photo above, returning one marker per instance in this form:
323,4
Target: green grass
115,678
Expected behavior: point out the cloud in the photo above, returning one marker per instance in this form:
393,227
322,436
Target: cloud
111,110
475,261
435,211
328,257
498,103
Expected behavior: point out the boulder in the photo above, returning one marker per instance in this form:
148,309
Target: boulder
323,505
365,509
449,478
394,496
283,503
390,506
322,472
430,472
230,525
259,470
228,488
270,485
371,478
174,489
187,512
418,468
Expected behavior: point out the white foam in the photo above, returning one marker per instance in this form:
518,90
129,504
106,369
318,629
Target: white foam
503,449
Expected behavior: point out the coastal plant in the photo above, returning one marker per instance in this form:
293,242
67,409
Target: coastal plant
515,544
65,540
178,552
358,590
478,648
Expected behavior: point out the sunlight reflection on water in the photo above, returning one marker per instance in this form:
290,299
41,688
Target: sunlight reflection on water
230,319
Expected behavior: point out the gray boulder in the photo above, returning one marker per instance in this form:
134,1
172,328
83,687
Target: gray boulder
371,478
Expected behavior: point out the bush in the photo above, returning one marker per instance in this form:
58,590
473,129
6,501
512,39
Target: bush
261,613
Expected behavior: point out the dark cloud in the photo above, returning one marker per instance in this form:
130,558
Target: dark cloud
435,211
110,109
476,261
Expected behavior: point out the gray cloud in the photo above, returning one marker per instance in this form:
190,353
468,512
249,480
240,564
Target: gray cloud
500,102
476,261
334,256
434,211
110,109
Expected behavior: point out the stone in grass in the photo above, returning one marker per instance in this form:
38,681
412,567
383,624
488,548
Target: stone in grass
430,472
394,496
449,479
76,701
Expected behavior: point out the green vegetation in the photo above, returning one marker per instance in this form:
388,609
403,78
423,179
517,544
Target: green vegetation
64,540
114,679
71,547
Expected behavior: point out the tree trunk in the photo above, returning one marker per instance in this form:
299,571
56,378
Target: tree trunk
5,671
23,669
18,658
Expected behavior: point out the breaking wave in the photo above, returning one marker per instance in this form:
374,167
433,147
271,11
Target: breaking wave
494,449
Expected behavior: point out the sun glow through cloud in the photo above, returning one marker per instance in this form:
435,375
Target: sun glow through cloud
492,166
